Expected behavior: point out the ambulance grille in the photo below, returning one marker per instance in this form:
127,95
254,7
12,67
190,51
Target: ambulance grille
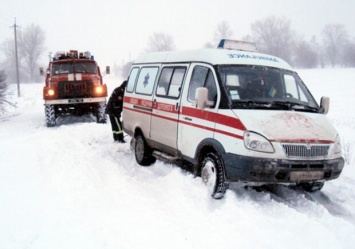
305,150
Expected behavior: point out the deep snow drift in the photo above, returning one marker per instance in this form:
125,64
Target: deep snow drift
71,187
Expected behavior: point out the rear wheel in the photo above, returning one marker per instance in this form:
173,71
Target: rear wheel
212,174
50,115
142,152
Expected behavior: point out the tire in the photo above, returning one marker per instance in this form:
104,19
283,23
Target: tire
142,152
100,113
50,115
212,174
311,186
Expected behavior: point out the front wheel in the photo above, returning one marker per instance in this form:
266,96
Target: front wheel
100,113
212,174
50,115
142,152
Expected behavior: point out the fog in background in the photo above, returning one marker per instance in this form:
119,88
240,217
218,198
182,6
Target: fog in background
118,31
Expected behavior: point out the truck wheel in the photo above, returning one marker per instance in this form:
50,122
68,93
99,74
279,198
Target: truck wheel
142,152
50,115
311,186
212,174
100,113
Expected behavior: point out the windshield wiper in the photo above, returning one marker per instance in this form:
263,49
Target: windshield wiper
295,106
252,104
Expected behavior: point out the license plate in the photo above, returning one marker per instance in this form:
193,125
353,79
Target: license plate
75,101
306,175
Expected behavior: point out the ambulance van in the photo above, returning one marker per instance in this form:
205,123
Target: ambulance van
230,114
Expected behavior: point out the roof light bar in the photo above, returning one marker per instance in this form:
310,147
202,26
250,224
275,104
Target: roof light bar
237,45
72,54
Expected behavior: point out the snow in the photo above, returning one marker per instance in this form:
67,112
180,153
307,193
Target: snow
71,187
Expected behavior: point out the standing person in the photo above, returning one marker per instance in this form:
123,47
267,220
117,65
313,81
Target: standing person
114,109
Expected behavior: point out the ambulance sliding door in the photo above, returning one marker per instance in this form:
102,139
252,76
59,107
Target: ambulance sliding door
166,107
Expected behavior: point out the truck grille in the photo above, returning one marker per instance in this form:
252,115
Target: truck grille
74,89
305,150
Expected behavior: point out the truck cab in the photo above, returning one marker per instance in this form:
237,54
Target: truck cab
74,86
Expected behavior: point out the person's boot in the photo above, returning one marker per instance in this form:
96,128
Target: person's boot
120,138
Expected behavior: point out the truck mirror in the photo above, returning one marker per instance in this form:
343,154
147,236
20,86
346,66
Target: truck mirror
41,71
201,98
324,104
107,69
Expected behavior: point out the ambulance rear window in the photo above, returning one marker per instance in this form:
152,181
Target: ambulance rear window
146,79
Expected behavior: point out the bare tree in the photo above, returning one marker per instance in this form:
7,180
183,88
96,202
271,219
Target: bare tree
305,54
274,36
335,38
160,42
124,69
4,93
349,54
31,48
223,31
9,64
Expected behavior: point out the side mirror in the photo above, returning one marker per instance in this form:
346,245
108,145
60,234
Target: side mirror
107,69
41,71
324,104
201,98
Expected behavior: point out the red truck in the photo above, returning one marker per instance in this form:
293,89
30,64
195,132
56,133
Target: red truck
74,87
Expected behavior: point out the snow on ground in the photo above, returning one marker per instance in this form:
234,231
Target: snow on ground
71,187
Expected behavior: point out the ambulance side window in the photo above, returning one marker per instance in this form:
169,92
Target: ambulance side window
292,88
170,81
146,79
202,77
132,79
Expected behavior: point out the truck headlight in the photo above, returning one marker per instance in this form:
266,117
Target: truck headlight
50,92
256,142
99,89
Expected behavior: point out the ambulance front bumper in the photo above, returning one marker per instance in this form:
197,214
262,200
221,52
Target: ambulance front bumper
261,170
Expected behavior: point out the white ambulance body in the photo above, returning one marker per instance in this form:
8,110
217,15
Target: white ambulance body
232,116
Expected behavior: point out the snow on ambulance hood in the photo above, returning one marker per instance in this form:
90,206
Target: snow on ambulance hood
289,126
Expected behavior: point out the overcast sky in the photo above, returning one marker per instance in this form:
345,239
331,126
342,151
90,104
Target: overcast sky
115,30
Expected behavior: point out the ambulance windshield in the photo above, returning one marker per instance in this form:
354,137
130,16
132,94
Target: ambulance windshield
265,87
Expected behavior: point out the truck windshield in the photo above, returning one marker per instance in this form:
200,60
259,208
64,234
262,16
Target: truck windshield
265,87
77,67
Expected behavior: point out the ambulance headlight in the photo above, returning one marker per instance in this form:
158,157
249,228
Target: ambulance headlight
256,142
337,145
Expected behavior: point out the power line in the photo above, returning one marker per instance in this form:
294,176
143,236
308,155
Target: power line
6,17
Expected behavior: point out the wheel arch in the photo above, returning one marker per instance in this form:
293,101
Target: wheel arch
206,146
138,131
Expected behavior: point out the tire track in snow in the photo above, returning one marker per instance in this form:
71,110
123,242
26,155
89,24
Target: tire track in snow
292,197
333,208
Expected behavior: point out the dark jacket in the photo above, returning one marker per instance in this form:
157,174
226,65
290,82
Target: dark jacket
115,103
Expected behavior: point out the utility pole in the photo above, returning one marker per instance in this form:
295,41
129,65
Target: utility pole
16,55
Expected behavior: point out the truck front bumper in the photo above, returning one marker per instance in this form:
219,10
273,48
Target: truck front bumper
261,170
74,101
